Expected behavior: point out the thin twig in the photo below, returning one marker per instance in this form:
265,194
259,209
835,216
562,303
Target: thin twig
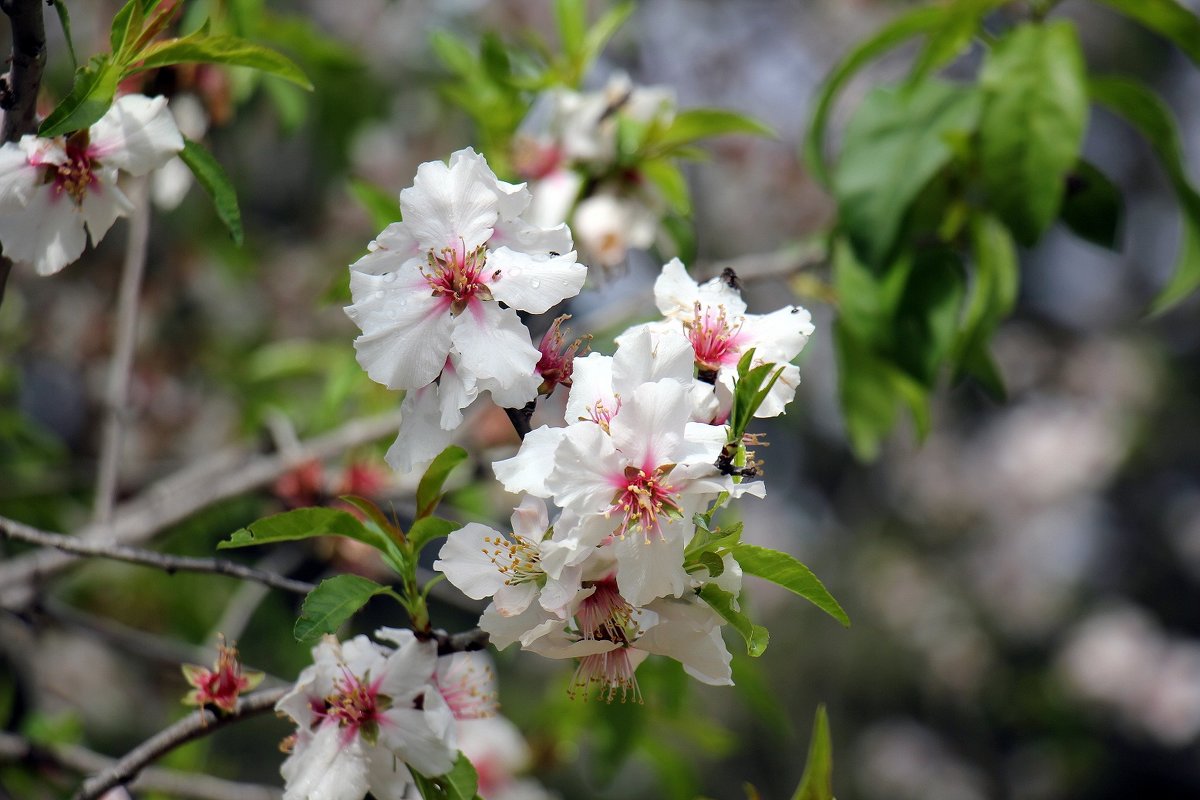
191,727
78,759
218,477
12,529
116,397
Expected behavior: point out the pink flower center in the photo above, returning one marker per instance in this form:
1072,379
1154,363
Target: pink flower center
457,276
601,414
714,338
643,498
74,176
605,614
466,688
355,706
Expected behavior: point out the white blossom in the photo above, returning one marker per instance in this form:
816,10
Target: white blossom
51,190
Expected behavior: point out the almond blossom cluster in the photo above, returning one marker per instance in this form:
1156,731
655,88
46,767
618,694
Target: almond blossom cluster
608,580
437,297
568,148
52,190
367,713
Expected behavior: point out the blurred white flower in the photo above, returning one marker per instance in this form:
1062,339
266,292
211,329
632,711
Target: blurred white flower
52,189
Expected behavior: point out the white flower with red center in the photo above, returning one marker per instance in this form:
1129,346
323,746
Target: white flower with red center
51,190
598,383
468,685
514,569
713,317
611,636
432,284
363,712
636,486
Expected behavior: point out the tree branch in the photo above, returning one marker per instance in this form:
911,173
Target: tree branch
15,748
191,727
19,88
781,263
24,78
464,642
218,477
116,397
11,529
521,418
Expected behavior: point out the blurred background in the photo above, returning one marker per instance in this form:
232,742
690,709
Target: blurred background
1024,584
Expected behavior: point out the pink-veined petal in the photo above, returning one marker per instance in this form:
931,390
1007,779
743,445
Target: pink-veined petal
47,232
492,343
533,283
137,134
649,429
406,332
449,206
325,767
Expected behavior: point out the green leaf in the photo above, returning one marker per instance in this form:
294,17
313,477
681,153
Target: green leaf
203,48
64,19
426,529
604,29
725,604
126,26
1093,206
453,53
992,296
1032,126
701,123
382,205
670,182
712,562
429,490
704,540
896,142
1167,18
212,177
952,37
788,572
333,602
571,17
305,523
926,321
1147,113
460,783
817,781
93,92
904,27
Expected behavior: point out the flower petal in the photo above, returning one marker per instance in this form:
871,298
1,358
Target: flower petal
137,134
450,206
47,232
406,331
689,632
533,283
466,563
325,767
492,343
102,204
17,176
528,469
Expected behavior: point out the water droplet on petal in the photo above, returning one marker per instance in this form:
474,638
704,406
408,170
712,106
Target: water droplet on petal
535,283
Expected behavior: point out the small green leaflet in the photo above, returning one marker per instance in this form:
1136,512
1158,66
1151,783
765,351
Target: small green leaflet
726,605
788,572
64,19
817,781
333,602
93,92
305,523
212,177
426,529
460,783
1167,18
429,490
700,123
204,48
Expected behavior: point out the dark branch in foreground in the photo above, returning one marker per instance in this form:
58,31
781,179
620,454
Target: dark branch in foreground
465,642
521,418
191,727
19,87
74,758
11,529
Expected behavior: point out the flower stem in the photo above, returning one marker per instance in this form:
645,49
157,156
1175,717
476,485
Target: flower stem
117,395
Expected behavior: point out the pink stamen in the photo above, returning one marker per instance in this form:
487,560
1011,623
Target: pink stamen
457,276
642,498
612,672
74,177
715,340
